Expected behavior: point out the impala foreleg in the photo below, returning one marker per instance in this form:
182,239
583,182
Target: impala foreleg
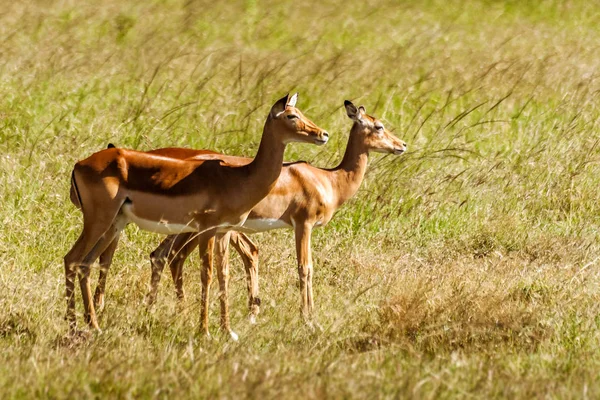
205,244
222,262
249,253
305,268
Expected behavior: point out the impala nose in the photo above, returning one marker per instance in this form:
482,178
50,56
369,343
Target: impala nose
323,139
402,149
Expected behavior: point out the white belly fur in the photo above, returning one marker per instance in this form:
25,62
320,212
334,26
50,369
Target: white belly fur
163,227
262,225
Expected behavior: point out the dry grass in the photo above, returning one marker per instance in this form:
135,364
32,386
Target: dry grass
466,268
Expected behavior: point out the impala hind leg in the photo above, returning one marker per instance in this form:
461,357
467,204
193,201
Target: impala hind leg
174,250
158,259
101,245
70,276
206,243
104,265
97,235
305,268
249,253
184,246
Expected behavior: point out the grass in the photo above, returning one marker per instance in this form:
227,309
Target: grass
466,268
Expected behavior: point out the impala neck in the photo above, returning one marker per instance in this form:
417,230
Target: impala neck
348,176
264,170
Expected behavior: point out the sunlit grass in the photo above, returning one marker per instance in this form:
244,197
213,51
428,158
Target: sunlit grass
467,267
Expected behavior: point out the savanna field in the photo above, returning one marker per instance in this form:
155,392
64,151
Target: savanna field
467,267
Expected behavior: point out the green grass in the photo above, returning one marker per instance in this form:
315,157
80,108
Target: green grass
466,268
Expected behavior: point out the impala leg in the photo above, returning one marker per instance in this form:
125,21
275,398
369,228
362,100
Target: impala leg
222,262
206,243
101,245
174,250
249,253
167,252
184,245
157,263
94,239
105,263
70,276
305,268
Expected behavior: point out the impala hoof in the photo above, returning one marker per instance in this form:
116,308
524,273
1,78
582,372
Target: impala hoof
314,327
99,302
150,299
205,334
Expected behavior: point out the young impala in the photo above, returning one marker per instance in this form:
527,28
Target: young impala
114,187
304,197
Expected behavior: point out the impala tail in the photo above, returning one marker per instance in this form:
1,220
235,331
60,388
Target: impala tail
74,195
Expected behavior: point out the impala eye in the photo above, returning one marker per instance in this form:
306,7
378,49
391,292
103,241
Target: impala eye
292,116
379,127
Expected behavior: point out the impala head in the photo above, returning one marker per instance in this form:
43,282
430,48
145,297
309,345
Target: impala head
292,125
374,134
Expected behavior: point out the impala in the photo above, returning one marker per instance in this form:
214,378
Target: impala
114,187
304,197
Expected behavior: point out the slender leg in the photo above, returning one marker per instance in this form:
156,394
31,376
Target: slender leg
70,276
173,251
84,271
95,238
157,264
305,268
182,248
249,253
105,263
206,243
222,262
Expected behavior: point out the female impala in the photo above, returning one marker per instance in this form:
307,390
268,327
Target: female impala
115,187
303,197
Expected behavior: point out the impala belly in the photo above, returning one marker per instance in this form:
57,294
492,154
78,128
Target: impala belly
161,226
262,225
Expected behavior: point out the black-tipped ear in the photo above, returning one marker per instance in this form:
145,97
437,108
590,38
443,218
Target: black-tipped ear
351,110
279,106
110,146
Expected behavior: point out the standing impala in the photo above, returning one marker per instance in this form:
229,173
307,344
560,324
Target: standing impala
114,187
303,197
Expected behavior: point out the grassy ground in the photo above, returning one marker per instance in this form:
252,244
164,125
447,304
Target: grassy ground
466,268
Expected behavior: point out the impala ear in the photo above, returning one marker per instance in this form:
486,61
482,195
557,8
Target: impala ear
292,101
279,106
352,111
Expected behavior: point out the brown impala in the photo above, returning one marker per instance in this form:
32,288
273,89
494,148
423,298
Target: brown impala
114,187
303,197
